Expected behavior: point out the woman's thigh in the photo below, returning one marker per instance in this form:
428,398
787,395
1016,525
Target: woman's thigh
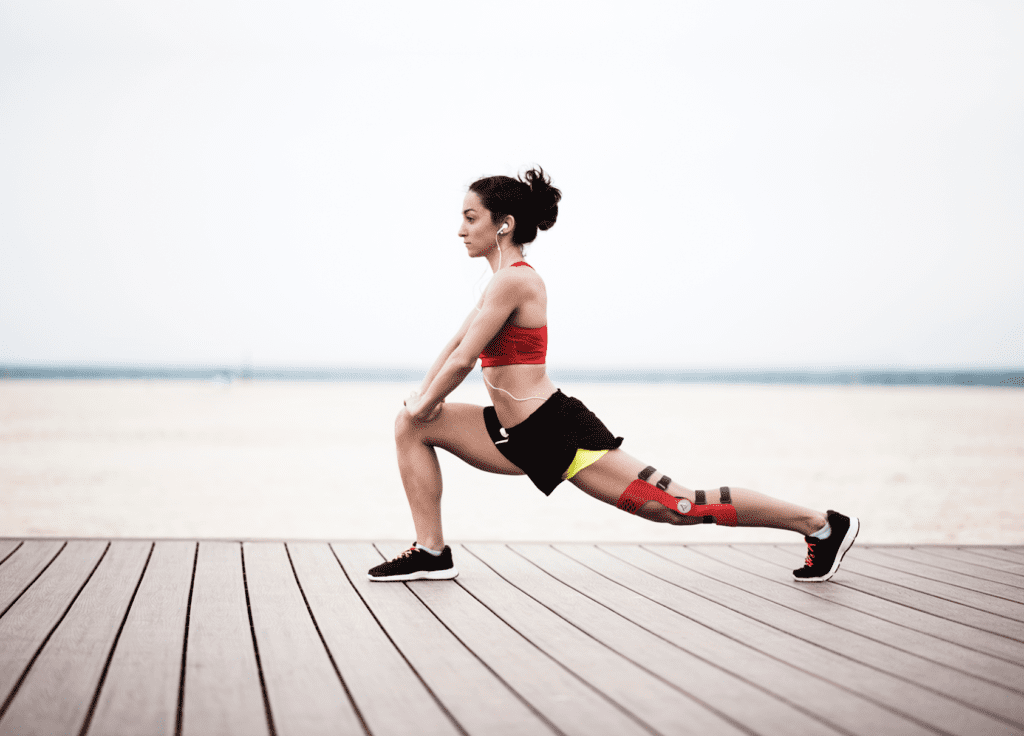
460,430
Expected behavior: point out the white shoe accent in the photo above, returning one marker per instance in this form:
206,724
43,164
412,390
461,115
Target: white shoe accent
450,574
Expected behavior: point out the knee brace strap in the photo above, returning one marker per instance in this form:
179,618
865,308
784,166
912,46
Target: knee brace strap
640,492
717,516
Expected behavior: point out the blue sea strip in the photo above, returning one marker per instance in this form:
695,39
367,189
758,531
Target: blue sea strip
1003,377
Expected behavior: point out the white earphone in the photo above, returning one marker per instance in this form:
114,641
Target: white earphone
503,228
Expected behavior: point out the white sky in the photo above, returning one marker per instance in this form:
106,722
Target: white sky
745,184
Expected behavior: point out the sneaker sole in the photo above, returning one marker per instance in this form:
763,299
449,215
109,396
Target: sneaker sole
448,574
851,534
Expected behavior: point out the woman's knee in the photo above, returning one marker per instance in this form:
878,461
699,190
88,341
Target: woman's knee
654,511
405,429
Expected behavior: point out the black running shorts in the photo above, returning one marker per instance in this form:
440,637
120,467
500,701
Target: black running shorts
545,443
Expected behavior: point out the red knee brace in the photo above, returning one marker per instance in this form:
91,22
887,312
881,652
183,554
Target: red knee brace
640,492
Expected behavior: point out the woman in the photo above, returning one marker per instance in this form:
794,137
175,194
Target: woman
535,429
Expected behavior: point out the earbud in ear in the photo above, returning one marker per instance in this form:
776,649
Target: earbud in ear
503,228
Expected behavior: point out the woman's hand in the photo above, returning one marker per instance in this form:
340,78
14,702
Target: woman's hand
419,411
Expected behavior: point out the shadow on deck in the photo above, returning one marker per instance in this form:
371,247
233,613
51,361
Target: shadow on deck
180,637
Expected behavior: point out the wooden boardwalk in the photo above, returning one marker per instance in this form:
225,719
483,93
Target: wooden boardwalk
179,637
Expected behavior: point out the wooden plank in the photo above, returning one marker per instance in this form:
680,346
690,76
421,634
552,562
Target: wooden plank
972,584
29,621
912,591
865,563
454,675
908,608
621,588
955,565
829,603
56,695
7,547
373,670
621,662
18,572
556,693
305,693
223,696
734,606
994,553
787,609
967,557
140,692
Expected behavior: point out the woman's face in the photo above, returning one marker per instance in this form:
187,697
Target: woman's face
478,232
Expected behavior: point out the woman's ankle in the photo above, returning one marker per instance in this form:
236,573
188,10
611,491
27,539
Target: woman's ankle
813,524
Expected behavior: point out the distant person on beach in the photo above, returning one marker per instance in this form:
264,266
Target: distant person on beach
534,429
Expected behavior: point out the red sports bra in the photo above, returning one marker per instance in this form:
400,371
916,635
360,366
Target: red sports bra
515,345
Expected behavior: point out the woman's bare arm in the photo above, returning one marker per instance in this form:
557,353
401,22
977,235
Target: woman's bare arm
448,350
500,300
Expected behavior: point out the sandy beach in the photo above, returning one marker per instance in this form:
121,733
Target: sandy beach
256,459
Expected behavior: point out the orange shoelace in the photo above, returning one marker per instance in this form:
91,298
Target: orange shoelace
809,560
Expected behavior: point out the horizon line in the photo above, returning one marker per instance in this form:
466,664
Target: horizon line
823,375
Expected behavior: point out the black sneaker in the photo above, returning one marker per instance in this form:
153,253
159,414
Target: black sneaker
824,555
415,564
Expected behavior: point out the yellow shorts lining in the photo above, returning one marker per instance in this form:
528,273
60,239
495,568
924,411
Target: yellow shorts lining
583,459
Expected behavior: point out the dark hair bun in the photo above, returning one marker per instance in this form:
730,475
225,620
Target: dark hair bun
530,199
544,198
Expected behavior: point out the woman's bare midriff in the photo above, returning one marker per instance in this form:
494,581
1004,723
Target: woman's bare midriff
521,381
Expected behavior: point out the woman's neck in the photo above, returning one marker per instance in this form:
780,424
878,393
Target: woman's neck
504,257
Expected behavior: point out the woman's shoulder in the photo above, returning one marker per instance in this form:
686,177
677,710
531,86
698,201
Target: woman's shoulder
522,276
516,284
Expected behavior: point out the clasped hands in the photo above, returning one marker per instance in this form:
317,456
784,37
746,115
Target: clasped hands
419,411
